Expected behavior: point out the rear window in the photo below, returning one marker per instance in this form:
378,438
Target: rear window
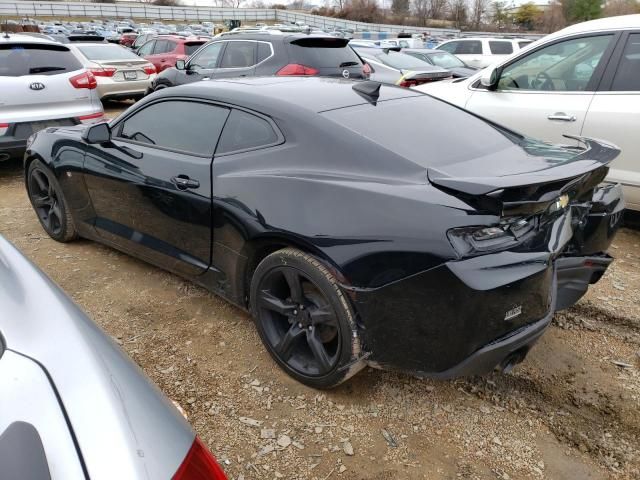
191,47
107,52
18,59
419,129
323,53
500,48
400,60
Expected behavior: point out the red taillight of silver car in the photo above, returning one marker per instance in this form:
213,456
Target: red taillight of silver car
199,464
84,80
103,71
149,69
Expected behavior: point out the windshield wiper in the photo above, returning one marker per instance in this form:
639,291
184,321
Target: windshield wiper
348,64
45,69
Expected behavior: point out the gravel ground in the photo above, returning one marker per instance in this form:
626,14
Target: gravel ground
569,412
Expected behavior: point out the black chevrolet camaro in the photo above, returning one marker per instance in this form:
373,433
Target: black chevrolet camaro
359,224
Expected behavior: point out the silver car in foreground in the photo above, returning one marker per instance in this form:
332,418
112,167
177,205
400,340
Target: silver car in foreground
72,404
42,84
120,73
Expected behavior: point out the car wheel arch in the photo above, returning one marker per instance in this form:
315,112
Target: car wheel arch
257,249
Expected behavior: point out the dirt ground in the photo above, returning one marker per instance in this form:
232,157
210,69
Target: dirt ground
570,411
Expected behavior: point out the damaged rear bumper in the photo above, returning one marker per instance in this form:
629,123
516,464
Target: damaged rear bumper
575,274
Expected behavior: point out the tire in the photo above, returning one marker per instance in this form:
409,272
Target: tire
304,320
47,200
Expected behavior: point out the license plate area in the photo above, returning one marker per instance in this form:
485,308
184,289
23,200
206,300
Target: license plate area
130,75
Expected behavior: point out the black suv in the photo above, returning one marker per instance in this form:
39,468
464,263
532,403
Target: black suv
260,54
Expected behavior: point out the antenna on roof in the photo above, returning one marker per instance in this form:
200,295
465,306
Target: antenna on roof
369,89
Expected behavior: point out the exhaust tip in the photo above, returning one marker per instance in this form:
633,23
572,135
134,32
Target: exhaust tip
512,360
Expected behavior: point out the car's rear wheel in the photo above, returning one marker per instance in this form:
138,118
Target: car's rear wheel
304,320
49,203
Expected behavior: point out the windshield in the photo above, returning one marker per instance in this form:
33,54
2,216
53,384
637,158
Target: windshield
445,60
107,52
400,61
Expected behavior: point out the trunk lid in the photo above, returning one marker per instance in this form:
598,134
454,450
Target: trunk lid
529,178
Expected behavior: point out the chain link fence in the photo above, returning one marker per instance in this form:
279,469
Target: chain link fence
140,11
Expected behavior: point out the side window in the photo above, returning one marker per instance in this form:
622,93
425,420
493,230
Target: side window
524,43
449,47
469,47
627,77
500,48
239,55
147,48
170,47
155,125
207,57
160,47
264,51
244,131
563,66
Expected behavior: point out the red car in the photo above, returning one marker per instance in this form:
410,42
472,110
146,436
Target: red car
164,50
127,39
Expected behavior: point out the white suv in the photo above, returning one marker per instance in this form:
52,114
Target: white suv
583,80
42,84
482,52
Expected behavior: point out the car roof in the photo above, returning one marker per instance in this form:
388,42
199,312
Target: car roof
422,50
277,96
269,36
481,38
11,38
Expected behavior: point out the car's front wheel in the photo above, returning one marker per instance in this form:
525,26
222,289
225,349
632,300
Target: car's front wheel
304,319
49,203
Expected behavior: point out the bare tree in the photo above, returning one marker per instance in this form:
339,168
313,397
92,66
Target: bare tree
620,7
478,11
553,18
437,9
420,10
458,12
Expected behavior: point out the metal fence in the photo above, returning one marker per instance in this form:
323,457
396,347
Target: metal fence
194,14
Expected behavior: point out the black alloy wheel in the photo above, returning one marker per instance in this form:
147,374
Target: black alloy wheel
48,202
303,319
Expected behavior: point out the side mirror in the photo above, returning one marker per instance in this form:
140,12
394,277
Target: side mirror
489,78
98,133
181,64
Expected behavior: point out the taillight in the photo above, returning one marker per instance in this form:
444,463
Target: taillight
3,128
92,116
297,69
199,464
84,80
407,83
103,72
149,69
366,70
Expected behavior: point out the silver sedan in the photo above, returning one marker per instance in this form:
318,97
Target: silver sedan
72,404
120,73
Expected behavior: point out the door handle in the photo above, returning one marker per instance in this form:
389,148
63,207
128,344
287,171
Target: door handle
563,117
183,182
